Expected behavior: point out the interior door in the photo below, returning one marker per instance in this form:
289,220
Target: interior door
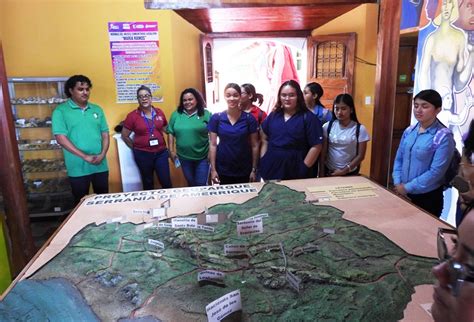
211,93
404,92
331,64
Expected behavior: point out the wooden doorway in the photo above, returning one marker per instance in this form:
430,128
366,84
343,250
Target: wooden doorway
404,92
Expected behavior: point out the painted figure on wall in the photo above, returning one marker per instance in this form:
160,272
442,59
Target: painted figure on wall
445,61
448,68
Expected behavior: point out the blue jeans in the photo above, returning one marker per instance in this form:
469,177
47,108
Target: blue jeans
148,162
196,172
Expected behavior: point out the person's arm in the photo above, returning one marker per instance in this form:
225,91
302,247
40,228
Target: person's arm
172,146
255,154
126,137
263,143
464,65
212,156
64,141
105,148
399,187
312,155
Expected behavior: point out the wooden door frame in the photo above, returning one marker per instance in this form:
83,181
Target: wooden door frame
388,41
20,241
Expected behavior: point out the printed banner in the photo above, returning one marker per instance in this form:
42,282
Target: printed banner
134,47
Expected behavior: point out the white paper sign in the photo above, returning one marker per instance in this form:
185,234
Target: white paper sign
156,243
293,280
141,211
166,203
211,275
212,218
184,223
250,227
158,213
223,306
206,228
265,215
234,250
329,231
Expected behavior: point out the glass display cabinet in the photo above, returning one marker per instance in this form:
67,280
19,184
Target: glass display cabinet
33,100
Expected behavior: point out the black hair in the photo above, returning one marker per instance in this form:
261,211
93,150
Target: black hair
143,88
300,103
349,101
431,96
234,86
468,149
201,104
250,89
73,80
316,89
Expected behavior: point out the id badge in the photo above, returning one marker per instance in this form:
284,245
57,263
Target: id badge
153,142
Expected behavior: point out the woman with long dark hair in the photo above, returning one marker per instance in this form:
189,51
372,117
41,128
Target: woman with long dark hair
291,137
188,137
312,96
345,140
247,102
234,159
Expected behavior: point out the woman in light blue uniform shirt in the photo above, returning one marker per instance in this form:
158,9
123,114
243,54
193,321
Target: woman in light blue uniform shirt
421,162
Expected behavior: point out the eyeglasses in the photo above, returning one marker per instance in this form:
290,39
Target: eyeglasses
144,97
458,273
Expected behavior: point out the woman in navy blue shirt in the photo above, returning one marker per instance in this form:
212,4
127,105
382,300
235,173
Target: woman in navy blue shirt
291,137
234,159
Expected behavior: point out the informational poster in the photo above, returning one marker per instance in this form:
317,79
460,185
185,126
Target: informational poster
343,191
134,47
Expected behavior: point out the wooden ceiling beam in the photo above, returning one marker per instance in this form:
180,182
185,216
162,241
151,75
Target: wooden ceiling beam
261,19
202,4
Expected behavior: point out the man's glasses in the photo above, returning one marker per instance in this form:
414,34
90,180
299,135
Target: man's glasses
144,97
458,272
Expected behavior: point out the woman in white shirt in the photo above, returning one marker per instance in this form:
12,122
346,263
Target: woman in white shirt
345,140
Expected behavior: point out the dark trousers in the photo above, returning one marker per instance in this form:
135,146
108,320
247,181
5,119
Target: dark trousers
231,180
80,185
147,162
431,201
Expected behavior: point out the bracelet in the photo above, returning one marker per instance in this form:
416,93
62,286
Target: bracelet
348,166
254,169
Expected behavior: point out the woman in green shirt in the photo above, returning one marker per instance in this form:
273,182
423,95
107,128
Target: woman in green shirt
188,137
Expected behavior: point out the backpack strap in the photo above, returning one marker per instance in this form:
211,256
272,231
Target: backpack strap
357,138
439,135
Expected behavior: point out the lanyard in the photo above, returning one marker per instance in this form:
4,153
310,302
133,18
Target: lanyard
151,127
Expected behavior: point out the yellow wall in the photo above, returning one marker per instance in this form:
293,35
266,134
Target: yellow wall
363,21
5,276
62,38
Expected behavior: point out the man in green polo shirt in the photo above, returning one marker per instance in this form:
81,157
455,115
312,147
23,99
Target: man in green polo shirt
81,129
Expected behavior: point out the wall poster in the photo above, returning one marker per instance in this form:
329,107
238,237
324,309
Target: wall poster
134,48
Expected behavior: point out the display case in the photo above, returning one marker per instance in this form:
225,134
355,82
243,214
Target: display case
44,174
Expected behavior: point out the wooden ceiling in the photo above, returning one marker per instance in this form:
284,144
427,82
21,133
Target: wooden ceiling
257,16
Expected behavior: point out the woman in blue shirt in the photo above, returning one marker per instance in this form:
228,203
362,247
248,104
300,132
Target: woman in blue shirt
420,162
312,97
291,137
234,159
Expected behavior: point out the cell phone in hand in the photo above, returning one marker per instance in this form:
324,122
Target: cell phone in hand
177,163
